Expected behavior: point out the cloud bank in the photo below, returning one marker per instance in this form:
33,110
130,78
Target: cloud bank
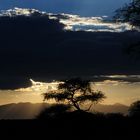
35,45
74,22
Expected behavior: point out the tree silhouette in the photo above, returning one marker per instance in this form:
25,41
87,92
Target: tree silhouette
134,110
129,13
75,92
133,49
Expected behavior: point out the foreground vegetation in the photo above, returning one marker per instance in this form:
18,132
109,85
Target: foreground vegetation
75,125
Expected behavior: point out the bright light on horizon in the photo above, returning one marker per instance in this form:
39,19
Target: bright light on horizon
116,91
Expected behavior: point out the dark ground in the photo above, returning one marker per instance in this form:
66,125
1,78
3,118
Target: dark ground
73,126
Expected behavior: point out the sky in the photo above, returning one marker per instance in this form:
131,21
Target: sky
80,7
116,91
42,56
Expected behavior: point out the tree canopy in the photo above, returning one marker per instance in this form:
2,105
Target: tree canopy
75,92
134,109
129,13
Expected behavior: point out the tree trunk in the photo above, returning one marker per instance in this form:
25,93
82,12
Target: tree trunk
75,103
76,106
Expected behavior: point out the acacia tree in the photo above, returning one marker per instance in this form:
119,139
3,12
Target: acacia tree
75,92
129,13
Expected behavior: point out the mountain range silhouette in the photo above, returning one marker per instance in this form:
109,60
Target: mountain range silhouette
30,110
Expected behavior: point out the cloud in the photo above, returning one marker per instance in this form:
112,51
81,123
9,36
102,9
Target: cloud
73,22
37,47
92,24
40,87
126,79
108,82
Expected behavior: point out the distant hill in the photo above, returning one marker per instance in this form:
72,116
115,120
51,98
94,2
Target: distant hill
30,111
21,110
116,108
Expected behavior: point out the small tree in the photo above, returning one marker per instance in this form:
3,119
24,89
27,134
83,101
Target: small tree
75,92
134,110
129,13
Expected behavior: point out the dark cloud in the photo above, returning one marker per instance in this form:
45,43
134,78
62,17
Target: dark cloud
37,47
120,78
